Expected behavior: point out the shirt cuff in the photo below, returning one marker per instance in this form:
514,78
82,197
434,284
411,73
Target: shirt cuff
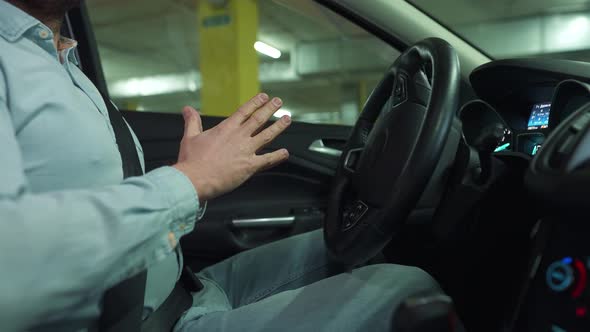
182,199
201,211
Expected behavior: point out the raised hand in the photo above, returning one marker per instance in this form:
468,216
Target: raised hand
220,159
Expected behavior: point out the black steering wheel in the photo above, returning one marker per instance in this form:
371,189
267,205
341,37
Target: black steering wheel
393,151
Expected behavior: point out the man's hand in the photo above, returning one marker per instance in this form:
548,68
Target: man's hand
222,158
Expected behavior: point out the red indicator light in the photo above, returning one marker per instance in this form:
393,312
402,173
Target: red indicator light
581,311
581,284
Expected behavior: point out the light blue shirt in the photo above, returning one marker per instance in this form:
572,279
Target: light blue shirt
70,226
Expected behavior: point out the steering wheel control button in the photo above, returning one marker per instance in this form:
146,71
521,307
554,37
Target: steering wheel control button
560,276
352,159
400,91
352,214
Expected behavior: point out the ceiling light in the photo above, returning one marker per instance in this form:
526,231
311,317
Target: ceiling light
281,113
267,50
573,32
155,85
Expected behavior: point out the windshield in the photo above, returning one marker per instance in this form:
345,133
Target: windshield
518,28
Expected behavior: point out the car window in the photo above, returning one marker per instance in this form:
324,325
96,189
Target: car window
159,55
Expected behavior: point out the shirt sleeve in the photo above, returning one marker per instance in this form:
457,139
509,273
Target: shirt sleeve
58,249
178,228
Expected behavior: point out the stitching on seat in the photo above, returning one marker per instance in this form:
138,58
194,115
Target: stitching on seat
290,278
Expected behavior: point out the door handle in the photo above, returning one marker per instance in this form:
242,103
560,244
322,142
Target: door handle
264,222
318,146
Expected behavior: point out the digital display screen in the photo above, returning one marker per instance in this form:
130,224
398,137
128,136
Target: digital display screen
539,118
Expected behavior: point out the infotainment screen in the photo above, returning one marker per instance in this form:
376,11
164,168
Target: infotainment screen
539,118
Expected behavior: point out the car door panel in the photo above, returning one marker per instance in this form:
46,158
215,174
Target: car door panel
296,190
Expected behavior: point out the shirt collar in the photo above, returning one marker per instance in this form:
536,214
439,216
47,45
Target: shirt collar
14,22
67,47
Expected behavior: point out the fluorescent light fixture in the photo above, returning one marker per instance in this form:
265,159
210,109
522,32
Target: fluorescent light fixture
155,85
572,33
281,113
267,50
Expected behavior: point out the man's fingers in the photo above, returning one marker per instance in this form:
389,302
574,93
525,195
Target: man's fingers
192,122
199,120
271,159
246,110
269,134
259,118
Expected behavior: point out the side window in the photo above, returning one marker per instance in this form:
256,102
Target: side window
160,55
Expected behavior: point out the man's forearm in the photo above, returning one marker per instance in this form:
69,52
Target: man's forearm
70,245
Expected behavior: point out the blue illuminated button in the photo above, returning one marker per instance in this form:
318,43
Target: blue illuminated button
502,147
559,276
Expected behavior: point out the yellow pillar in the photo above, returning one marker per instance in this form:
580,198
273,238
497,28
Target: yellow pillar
227,60
130,105
363,93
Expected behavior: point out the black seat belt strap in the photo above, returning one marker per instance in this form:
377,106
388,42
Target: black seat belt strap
166,316
123,303
125,142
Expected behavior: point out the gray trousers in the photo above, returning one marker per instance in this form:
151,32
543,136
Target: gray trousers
291,285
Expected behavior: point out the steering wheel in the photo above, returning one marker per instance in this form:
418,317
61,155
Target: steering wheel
393,151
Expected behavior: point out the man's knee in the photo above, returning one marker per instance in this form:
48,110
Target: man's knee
396,275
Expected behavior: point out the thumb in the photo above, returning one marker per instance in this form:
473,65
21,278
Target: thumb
192,122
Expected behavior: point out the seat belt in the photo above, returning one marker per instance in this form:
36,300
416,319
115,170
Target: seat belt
122,306
179,300
166,316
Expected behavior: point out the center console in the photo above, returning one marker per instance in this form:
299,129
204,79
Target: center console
557,295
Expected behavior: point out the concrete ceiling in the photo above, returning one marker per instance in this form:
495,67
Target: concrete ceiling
460,12
515,28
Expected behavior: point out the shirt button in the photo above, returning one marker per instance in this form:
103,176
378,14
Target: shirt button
172,240
43,34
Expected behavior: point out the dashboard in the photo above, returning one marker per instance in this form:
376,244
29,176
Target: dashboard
524,131
527,137
528,99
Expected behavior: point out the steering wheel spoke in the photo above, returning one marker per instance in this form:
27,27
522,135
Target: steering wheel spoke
352,159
